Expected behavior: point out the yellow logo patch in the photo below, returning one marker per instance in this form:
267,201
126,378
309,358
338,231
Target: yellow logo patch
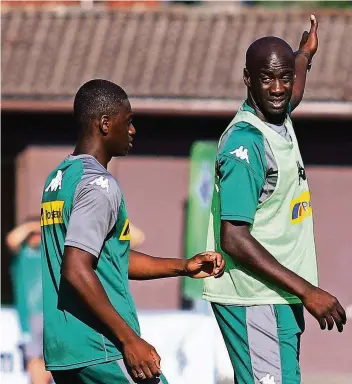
125,233
301,208
52,213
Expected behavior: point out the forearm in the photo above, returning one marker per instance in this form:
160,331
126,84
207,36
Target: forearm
88,286
145,267
301,64
17,236
248,252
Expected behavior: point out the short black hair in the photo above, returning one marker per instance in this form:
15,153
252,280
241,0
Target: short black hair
260,49
96,98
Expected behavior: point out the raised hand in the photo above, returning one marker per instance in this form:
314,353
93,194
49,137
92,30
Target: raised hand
309,40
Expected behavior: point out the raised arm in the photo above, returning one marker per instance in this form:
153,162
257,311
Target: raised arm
16,237
307,48
145,267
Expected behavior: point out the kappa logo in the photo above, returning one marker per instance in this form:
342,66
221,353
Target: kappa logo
267,379
241,153
102,182
55,183
125,233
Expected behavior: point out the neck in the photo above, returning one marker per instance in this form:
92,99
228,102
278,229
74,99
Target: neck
85,147
272,119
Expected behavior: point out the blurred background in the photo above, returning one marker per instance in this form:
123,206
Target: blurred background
181,63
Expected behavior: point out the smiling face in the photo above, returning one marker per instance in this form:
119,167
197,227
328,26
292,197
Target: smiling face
273,84
269,77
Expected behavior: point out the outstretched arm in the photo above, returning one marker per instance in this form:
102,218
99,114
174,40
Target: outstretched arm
307,48
145,267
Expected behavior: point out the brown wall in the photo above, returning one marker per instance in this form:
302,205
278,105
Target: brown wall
155,190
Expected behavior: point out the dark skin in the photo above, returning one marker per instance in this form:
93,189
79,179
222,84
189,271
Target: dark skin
106,137
275,78
309,44
271,86
270,83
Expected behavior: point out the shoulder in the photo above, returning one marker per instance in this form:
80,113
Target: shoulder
242,137
97,182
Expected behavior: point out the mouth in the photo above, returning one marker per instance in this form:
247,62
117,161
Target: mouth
277,103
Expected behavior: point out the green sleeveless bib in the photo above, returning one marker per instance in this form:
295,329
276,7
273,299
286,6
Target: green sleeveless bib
283,224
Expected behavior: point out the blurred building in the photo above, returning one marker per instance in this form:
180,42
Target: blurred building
182,68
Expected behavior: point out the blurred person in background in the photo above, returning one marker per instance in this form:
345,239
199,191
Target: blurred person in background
91,329
262,222
26,273
137,236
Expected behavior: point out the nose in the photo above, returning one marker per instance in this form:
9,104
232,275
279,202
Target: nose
131,130
277,88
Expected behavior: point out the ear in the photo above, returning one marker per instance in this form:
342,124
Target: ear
246,78
104,124
294,78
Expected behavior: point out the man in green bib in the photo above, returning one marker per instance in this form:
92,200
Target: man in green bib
261,221
91,330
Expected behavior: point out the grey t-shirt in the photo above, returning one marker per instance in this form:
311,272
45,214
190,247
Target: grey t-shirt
272,173
95,207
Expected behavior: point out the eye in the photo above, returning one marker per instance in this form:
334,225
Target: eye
286,79
265,79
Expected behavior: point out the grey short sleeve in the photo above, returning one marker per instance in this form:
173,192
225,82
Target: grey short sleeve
94,213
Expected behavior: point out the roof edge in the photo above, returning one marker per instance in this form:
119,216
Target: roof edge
224,9
185,107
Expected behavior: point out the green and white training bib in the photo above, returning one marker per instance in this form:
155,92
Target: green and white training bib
282,222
